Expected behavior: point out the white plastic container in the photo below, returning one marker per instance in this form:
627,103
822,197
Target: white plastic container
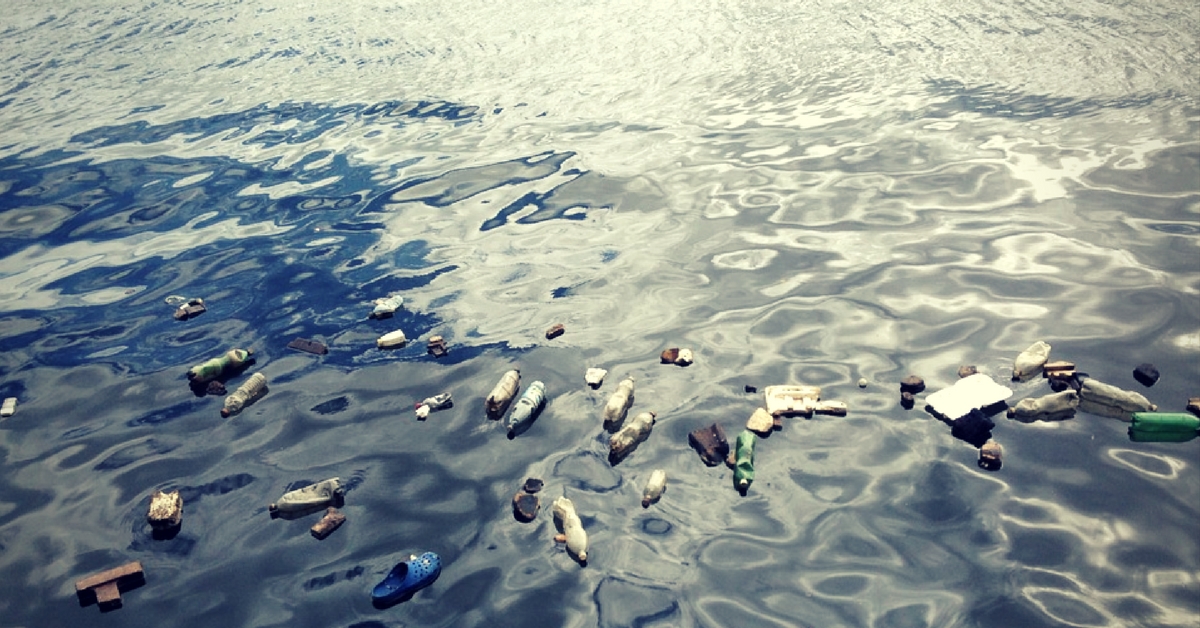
391,340
9,407
618,404
1031,360
577,538
655,487
595,376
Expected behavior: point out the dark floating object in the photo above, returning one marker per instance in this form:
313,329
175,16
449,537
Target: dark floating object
967,370
750,389
105,588
437,346
308,346
332,520
407,578
1146,374
668,356
1193,405
555,331
532,485
907,400
191,309
710,443
525,506
974,428
215,388
912,384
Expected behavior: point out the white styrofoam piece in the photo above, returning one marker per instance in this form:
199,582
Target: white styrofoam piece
968,393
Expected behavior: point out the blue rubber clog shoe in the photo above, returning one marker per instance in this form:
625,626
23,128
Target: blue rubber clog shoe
407,578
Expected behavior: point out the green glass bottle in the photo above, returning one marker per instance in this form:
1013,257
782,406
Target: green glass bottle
743,470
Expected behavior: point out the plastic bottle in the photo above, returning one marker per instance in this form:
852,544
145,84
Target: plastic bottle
245,393
313,496
626,440
654,487
436,402
216,367
497,401
391,339
527,409
618,404
1163,427
387,306
576,536
743,470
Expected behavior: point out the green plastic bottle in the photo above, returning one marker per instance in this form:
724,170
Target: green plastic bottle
743,470
1163,427
214,368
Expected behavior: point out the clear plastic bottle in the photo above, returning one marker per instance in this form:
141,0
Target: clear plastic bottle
654,487
502,394
246,393
626,440
527,408
576,536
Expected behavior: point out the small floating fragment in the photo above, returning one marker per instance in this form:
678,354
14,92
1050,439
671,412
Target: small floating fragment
990,456
166,510
595,377
392,340
710,443
387,306
1030,361
1096,397
309,498
332,520
684,358
308,346
1146,374
436,346
555,331
190,309
9,407
668,356
525,502
760,422
743,468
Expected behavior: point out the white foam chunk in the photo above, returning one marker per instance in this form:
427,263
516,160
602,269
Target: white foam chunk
968,393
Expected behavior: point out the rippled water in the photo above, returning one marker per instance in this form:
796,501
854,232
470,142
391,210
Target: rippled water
809,193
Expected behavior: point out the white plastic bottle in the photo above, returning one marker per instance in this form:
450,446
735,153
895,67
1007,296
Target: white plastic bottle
618,404
577,538
246,393
627,439
654,487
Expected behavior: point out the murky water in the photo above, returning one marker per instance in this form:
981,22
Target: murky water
810,193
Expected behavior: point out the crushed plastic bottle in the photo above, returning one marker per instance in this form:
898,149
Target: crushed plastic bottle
618,405
233,360
573,532
387,306
429,404
743,470
502,394
527,409
309,498
391,340
1030,361
654,487
627,439
254,387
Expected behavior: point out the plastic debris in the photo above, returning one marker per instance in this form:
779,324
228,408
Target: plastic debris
990,456
502,394
226,365
1163,427
685,357
968,393
436,346
528,407
104,589
594,377
1146,375
555,331
9,407
245,395
387,306
862,382
907,400
743,469
573,534
308,346
966,371
406,578
309,499
166,510
332,520
1193,405
618,405
1059,367
912,384
750,389
1057,407
1030,361
429,404
1096,397
525,502
760,422
392,340
655,487
668,356
710,443
190,309
629,437
215,388
788,400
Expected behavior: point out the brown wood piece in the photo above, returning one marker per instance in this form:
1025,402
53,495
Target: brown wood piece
116,573
555,331
332,520
1057,366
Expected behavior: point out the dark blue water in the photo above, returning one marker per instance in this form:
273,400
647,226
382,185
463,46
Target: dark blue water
802,194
